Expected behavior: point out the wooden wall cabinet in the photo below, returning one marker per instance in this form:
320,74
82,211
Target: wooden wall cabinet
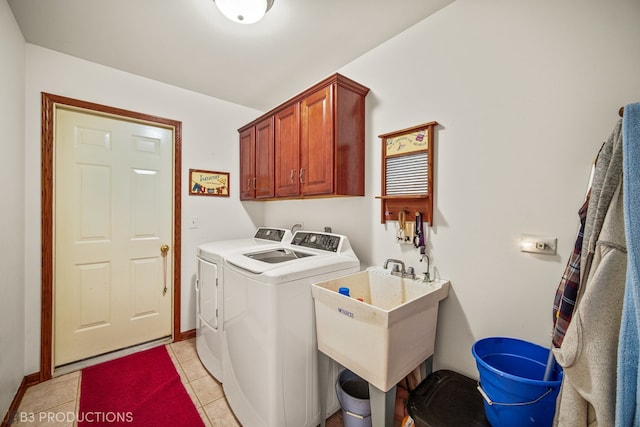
256,161
318,142
287,151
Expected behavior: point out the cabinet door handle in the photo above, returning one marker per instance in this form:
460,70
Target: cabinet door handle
248,183
254,182
301,176
293,174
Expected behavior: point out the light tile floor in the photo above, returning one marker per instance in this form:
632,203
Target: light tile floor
55,402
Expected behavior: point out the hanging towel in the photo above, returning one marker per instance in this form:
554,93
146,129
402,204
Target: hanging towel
627,411
588,352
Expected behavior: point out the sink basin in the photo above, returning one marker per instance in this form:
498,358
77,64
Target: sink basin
386,335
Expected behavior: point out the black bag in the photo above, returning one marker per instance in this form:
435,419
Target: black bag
447,399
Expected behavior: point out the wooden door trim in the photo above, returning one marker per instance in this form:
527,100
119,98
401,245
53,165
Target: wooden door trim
49,102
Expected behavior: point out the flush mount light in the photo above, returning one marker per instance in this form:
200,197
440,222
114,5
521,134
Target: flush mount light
244,11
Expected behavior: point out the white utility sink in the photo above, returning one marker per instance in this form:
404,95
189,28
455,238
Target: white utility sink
386,335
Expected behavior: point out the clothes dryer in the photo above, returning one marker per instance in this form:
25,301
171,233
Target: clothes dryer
209,288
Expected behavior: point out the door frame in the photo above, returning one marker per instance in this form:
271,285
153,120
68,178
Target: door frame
49,103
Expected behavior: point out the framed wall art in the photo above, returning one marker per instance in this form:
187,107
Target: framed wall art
208,183
407,173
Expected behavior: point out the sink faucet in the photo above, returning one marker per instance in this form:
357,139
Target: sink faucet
396,271
392,260
426,278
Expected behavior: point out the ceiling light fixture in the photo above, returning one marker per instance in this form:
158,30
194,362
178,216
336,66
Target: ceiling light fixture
244,11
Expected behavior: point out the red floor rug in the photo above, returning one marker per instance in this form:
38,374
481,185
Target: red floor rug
142,389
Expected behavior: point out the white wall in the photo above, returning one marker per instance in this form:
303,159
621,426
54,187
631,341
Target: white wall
209,141
525,93
12,194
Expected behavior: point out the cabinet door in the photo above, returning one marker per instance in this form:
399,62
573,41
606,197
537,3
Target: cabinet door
247,163
287,152
263,184
316,143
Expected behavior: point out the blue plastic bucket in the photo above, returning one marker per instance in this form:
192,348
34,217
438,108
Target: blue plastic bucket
511,382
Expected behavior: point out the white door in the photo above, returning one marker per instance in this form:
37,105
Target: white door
113,191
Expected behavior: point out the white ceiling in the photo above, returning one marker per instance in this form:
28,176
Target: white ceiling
189,44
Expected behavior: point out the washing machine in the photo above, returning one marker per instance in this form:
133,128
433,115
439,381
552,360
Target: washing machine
209,287
270,353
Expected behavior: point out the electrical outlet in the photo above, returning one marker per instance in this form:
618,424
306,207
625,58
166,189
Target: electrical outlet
538,244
